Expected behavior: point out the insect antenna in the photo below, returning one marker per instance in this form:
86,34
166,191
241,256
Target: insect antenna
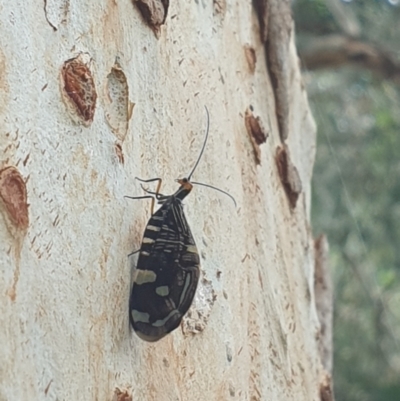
217,189
198,160
204,145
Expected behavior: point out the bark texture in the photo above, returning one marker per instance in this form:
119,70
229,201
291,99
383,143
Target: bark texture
252,331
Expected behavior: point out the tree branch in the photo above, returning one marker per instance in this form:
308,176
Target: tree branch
338,50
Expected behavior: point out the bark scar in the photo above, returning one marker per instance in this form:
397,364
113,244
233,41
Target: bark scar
289,175
256,133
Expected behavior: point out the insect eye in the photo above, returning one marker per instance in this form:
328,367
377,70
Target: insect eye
185,180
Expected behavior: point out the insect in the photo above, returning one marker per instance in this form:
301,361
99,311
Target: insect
168,267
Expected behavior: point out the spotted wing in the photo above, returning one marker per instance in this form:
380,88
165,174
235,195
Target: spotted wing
167,273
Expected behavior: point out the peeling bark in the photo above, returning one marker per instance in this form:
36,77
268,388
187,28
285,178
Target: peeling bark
276,25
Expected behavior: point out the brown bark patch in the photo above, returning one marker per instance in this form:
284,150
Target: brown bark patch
154,12
121,395
256,133
78,90
119,152
251,57
289,175
13,196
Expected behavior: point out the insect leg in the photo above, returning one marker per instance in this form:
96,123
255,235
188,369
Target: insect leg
132,253
156,193
150,180
139,197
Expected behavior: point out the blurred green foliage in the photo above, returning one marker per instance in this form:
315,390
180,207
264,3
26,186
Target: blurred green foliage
356,202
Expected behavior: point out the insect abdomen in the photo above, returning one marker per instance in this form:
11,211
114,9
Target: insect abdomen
167,274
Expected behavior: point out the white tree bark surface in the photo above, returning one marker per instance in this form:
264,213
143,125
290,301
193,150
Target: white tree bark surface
65,280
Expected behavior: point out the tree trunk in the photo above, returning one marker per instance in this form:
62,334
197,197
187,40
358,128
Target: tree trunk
71,149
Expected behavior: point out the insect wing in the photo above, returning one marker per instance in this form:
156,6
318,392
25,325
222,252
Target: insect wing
167,273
